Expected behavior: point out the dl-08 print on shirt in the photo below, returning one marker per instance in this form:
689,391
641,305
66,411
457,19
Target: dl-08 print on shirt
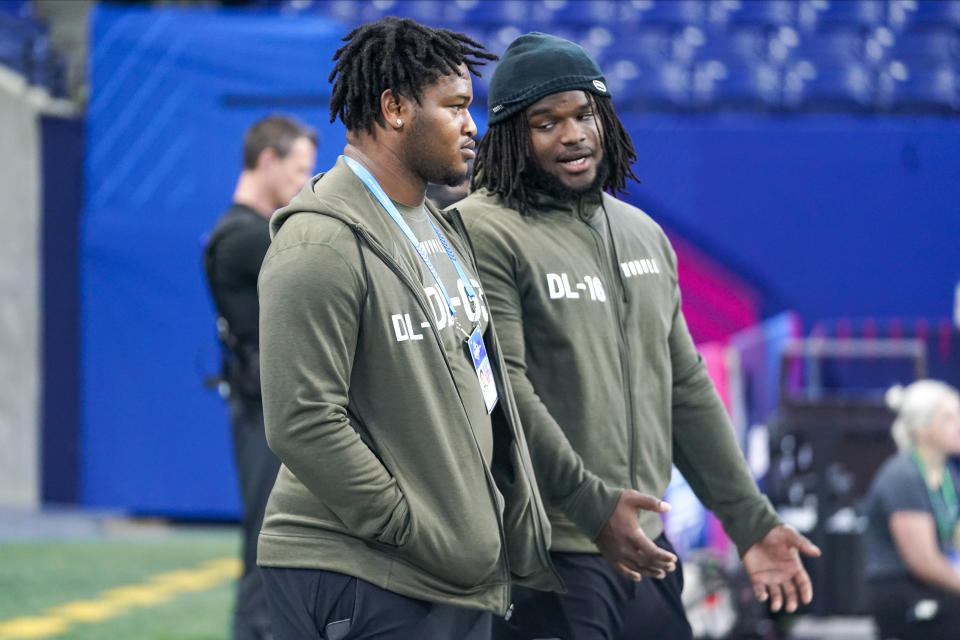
461,330
469,313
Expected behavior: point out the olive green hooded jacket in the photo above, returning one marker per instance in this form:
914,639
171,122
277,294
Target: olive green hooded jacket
382,477
606,375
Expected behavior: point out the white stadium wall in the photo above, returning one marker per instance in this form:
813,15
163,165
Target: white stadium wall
19,292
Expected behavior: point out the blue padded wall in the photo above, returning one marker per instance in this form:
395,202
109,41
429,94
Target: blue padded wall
172,92
62,140
830,215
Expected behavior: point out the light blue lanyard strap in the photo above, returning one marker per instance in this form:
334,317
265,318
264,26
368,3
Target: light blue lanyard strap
367,178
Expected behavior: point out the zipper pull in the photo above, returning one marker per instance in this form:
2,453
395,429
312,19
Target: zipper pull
509,613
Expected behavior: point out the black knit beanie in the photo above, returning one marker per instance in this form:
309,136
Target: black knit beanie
536,65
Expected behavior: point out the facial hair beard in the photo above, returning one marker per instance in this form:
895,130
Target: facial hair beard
547,183
425,164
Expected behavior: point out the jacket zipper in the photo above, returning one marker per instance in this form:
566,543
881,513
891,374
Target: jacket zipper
606,259
385,257
543,552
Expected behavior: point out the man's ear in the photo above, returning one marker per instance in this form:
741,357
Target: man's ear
267,157
394,109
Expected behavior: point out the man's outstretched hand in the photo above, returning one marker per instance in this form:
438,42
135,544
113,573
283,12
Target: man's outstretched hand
625,546
774,567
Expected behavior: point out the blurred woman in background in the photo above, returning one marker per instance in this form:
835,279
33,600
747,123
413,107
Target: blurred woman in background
912,538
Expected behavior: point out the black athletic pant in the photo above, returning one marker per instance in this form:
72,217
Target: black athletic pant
894,603
311,604
257,468
600,604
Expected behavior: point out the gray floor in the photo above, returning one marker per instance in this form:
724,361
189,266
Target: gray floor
835,628
71,523
54,523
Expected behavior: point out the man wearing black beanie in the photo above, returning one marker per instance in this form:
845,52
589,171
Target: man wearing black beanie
607,379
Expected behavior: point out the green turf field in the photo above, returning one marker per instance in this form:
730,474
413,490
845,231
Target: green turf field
165,588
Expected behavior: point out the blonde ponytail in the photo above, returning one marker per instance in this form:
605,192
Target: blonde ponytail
915,406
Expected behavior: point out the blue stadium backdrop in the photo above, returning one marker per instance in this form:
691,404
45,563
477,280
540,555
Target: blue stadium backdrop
830,214
172,92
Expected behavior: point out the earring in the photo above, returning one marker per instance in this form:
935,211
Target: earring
399,122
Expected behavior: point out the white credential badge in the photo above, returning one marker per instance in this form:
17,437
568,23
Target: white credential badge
481,363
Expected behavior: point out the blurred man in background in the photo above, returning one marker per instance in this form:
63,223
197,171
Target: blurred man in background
278,157
584,291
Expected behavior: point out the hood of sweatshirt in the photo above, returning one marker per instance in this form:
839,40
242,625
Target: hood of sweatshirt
586,207
340,194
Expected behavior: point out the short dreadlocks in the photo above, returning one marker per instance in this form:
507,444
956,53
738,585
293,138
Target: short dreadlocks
397,54
506,152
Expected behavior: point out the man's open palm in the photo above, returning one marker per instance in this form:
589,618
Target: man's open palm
774,567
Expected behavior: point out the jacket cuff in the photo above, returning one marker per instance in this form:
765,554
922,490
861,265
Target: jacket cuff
593,505
748,527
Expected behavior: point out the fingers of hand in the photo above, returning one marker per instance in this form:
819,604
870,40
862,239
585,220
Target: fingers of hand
801,542
632,575
637,561
805,586
656,556
638,565
655,562
790,593
646,502
809,549
760,591
668,565
664,560
776,597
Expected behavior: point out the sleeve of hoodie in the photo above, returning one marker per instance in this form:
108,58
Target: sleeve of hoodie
586,499
705,448
311,294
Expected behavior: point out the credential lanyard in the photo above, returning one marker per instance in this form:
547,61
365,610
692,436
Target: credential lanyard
367,178
947,514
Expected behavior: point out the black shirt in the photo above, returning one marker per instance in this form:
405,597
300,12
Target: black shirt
232,261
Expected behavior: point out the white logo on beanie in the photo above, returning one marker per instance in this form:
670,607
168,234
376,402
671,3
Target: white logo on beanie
600,86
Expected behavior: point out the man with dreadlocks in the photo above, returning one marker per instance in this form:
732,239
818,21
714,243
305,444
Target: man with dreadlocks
406,503
584,291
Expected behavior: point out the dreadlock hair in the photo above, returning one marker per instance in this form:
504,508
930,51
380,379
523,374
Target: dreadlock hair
505,156
397,54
